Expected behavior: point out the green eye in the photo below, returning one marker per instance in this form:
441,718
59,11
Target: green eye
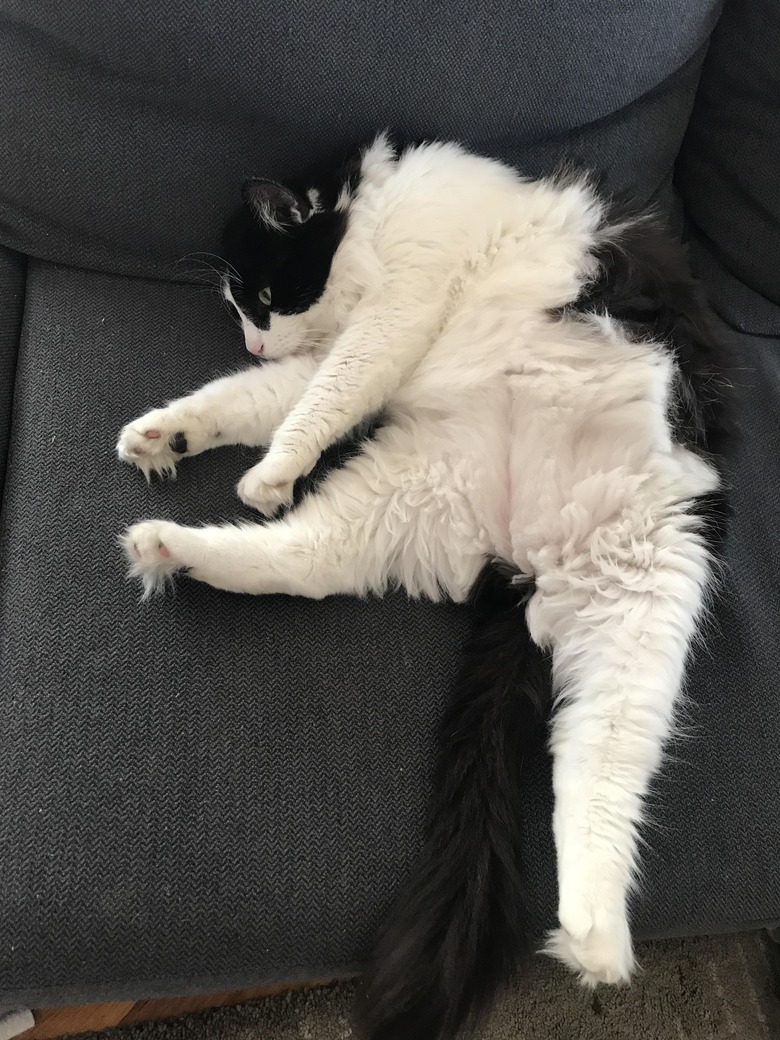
264,296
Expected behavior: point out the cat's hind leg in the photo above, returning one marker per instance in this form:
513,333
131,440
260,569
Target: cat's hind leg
364,529
285,556
618,604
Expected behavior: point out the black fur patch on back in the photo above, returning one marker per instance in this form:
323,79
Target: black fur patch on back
644,282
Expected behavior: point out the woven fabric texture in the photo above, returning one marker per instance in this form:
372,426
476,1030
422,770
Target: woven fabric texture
12,272
728,171
127,127
207,791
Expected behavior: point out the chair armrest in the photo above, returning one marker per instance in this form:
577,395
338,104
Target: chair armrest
13,269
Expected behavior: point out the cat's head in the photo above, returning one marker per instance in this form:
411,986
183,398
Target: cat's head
278,246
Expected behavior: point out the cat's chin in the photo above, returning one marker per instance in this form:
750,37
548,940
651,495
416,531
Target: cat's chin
278,353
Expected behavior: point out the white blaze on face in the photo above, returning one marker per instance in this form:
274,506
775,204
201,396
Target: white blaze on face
288,333
253,337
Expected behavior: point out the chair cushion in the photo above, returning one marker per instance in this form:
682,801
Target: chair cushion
208,791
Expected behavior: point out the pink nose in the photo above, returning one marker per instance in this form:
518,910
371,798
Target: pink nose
253,340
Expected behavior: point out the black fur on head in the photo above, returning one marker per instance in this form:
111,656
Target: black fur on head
283,236
279,245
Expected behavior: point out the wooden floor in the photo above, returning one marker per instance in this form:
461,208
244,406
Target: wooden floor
54,1022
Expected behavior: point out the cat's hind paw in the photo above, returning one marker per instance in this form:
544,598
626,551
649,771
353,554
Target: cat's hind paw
600,954
147,546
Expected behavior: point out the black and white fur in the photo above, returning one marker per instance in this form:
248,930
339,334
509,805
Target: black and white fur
551,407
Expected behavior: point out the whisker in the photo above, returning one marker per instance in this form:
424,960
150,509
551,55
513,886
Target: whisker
224,264
210,288
201,260
205,273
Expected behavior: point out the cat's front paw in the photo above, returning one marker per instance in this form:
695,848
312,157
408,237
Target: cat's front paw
598,951
151,550
266,498
155,442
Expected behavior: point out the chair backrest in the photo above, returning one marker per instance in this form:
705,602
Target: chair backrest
127,128
729,165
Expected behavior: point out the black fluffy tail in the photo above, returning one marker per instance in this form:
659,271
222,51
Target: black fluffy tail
460,926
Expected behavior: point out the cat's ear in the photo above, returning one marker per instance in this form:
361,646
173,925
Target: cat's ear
274,205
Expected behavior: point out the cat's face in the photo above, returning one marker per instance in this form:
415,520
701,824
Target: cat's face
279,245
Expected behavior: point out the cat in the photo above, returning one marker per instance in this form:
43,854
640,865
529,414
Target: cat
551,443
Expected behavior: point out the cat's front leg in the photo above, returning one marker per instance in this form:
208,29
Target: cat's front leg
243,408
365,366
619,608
255,490
159,439
268,486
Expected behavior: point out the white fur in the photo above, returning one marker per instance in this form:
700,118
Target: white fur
254,340
289,333
513,434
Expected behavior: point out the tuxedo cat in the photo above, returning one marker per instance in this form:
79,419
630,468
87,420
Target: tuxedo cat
550,443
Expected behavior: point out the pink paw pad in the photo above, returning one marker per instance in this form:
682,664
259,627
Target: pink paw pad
153,435
164,550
